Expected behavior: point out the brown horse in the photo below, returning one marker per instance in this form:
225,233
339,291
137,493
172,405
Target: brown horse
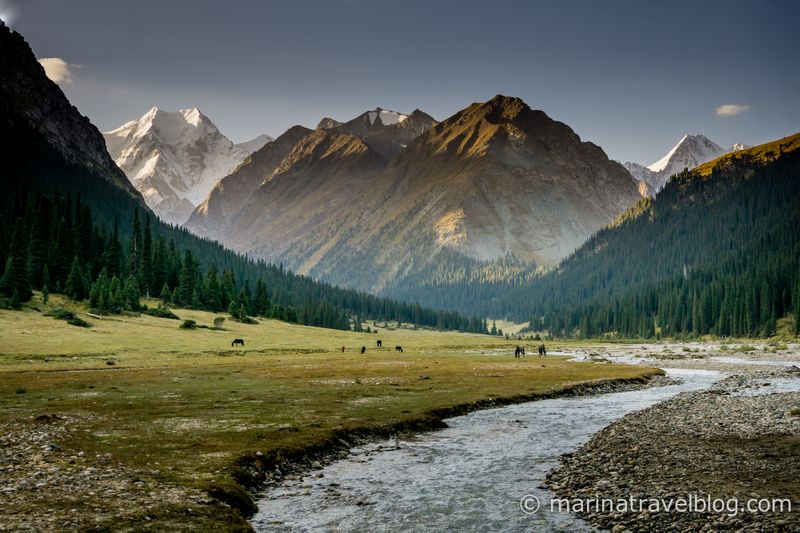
237,342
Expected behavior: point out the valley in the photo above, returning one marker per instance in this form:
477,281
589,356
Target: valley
398,266
153,426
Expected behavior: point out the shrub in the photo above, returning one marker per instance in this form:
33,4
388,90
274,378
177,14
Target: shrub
162,312
68,316
218,322
189,324
77,321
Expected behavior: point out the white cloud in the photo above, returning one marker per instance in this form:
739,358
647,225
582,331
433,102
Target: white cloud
57,69
729,110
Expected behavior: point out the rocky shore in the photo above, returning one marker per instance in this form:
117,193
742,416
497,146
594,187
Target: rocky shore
47,485
736,442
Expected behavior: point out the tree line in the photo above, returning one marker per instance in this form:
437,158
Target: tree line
59,244
715,254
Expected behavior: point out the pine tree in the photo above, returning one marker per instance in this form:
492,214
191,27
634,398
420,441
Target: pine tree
233,310
8,283
166,294
135,246
75,287
15,276
146,266
159,264
132,294
114,252
186,280
115,300
37,247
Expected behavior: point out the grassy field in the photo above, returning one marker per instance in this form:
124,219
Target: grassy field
177,408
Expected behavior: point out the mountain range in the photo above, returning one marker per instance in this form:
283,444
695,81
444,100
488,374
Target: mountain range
370,201
67,209
175,158
690,152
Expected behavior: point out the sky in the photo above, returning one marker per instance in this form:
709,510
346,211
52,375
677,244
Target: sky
630,76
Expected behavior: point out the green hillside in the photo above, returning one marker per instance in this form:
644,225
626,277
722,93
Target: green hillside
715,252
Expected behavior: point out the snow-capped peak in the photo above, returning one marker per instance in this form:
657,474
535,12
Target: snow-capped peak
174,158
388,117
691,151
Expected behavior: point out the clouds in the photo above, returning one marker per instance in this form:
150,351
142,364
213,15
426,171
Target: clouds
730,110
57,69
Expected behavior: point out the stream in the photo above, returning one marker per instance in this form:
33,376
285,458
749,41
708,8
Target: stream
469,476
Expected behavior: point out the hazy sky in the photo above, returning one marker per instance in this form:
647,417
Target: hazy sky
631,76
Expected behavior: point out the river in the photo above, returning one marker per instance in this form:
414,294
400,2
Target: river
470,476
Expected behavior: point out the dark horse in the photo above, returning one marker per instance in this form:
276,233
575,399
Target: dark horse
237,342
542,350
380,344
398,349
363,349
519,352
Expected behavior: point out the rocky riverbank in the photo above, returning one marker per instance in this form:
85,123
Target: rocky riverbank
47,485
738,440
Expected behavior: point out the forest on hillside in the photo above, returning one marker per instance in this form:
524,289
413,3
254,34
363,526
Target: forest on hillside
716,253
58,245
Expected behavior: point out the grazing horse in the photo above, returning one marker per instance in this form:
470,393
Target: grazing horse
380,343
363,349
237,342
398,349
342,349
519,352
542,350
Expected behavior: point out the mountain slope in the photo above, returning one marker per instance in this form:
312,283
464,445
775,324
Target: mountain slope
38,125
690,152
388,132
496,180
174,159
66,203
254,145
226,199
723,258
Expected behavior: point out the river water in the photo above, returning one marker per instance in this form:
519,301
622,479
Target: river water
470,476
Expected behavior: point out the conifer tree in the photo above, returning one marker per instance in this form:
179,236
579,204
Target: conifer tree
75,286
166,294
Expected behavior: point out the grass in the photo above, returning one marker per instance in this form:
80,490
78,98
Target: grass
762,153
187,401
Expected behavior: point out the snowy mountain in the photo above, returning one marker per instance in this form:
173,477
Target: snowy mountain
175,158
690,152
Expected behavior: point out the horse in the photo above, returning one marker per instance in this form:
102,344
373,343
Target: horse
237,342
380,344
363,349
342,349
519,352
398,349
542,350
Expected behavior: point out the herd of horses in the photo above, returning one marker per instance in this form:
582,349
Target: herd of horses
518,352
